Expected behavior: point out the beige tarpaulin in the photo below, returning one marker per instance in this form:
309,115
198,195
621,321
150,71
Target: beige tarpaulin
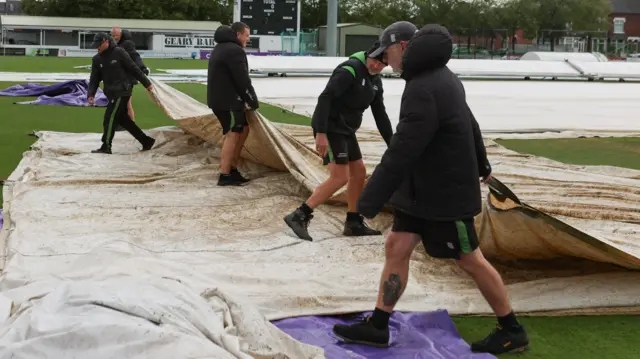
85,232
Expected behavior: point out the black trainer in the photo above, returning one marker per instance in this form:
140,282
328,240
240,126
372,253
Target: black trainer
355,226
102,150
149,144
502,340
362,333
298,221
238,176
228,180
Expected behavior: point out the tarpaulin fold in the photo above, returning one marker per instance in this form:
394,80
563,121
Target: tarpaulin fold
67,93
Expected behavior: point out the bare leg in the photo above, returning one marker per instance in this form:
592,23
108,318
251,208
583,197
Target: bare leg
397,249
337,179
488,280
228,148
130,110
242,138
357,175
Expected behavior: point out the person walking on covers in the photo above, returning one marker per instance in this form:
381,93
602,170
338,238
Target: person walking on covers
354,86
113,66
430,175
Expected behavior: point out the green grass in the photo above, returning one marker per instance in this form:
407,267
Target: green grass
552,337
621,152
66,64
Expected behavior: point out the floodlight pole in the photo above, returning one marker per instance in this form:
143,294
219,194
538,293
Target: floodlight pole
332,28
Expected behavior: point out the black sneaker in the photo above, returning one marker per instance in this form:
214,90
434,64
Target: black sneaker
238,176
102,150
149,144
228,180
298,221
501,340
362,333
355,226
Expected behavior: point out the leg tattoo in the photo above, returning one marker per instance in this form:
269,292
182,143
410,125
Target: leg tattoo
391,290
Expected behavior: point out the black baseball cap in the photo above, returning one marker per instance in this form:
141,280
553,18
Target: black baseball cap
393,34
374,47
98,39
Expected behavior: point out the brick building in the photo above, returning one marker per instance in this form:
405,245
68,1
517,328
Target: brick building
625,19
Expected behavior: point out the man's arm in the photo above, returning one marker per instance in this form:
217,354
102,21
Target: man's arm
94,79
130,48
133,69
338,83
414,132
484,167
240,76
380,114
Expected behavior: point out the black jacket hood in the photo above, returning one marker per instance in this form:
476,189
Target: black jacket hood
112,44
225,34
429,49
125,35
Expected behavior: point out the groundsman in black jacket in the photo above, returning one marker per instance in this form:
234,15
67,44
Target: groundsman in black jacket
430,175
124,39
114,67
354,86
229,94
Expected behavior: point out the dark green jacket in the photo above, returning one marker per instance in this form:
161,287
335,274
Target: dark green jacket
351,89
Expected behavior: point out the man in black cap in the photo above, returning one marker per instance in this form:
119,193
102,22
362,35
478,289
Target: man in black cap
353,87
113,66
430,176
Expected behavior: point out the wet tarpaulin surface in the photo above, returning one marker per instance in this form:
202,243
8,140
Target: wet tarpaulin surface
140,223
67,93
430,335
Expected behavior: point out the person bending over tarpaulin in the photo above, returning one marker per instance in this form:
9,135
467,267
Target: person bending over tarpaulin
352,88
430,173
113,66
229,93
124,40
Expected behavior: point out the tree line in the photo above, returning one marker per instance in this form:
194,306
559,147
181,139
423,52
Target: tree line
464,17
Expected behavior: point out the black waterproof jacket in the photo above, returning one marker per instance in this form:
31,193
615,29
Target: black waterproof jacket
115,68
127,44
351,89
436,157
228,84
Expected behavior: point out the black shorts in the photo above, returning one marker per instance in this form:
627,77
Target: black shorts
234,121
342,149
440,239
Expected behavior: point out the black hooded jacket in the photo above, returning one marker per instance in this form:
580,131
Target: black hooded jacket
115,68
228,84
127,44
432,167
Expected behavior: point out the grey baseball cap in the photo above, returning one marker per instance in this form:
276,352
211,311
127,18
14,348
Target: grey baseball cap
393,34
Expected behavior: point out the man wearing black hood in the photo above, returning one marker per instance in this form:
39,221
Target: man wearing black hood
229,94
113,66
354,86
430,173
124,39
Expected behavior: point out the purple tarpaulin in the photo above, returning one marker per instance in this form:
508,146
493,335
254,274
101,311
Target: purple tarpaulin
430,335
68,93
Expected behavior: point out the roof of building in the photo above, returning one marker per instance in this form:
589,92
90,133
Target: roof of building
101,24
348,24
625,6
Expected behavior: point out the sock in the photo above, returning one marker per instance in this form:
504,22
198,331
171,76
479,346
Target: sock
353,216
306,209
380,319
508,321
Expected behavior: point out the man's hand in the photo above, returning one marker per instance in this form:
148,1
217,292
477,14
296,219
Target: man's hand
322,144
90,100
486,179
150,88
